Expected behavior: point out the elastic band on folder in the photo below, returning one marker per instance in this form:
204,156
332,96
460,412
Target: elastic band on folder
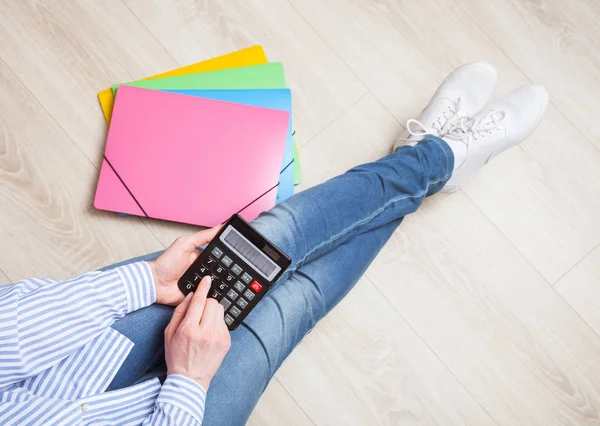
127,188
288,165
260,196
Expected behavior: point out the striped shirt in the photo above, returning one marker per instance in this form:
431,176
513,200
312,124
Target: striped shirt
58,355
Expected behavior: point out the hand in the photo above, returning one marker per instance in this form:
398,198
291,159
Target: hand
176,259
197,338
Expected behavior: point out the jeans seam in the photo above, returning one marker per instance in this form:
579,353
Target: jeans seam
448,172
362,222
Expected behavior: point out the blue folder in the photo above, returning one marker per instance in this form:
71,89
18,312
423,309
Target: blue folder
280,99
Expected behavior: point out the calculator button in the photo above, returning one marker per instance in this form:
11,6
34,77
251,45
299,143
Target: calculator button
214,294
232,294
242,302
217,252
228,319
227,261
197,277
255,286
246,278
210,261
239,286
236,269
202,270
229,278
220,269
225,302
222,287
235,311
248,294
189,285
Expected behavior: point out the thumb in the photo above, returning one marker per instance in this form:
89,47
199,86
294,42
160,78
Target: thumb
202,237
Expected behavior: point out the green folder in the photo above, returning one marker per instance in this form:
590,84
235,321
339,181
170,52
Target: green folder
266,76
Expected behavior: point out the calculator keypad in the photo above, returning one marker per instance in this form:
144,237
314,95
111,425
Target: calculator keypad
232,286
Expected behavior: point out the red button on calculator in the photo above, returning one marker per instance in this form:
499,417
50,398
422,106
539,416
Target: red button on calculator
255,286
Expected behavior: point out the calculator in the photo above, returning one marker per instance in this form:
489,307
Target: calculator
243,266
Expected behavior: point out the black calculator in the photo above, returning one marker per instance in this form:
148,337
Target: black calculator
243,266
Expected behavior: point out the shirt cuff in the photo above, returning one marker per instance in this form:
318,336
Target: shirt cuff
139,285
184,393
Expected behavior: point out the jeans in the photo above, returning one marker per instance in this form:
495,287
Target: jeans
332,232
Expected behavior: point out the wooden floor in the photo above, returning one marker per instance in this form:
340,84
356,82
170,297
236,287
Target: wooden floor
484,308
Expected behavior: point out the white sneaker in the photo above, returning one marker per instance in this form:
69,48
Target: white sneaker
462,94
505,123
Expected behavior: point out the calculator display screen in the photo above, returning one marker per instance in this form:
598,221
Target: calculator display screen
250,253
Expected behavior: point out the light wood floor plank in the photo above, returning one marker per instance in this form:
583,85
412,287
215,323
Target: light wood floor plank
47,225
65,52
580,287
322,86
539,194
363,365
277,407
518,347
551,48
543,196
364,133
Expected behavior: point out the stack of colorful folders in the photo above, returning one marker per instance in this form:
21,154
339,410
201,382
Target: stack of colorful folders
200,143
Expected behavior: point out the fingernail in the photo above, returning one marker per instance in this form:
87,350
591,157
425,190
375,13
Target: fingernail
190,294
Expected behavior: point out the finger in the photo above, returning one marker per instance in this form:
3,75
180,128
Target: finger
213,315
180,311
198,301
202,237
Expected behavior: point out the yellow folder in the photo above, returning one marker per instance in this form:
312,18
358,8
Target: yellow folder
254,55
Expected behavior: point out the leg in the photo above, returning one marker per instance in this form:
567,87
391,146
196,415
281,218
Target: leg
366,197
281,320
332,239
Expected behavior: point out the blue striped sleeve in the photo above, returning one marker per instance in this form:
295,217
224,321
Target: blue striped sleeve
180,401
43,322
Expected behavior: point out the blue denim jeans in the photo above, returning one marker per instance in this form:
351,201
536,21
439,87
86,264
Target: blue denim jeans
332,232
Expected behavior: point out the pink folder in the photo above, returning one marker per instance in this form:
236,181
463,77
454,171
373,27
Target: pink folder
188,159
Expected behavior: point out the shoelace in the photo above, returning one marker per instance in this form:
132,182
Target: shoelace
457,126
467,129
440,126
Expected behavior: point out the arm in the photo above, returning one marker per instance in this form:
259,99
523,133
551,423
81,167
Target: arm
43,321
196,341
181,402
